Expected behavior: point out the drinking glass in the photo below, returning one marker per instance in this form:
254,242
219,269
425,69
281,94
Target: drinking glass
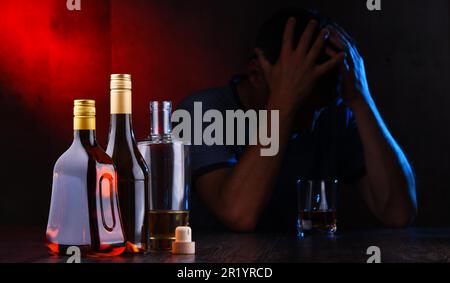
317,202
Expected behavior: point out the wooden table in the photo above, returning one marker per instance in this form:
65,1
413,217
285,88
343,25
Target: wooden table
410,245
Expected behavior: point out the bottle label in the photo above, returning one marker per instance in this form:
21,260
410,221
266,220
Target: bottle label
120,101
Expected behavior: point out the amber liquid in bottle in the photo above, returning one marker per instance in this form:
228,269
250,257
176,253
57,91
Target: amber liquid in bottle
84,209
131,167
162,225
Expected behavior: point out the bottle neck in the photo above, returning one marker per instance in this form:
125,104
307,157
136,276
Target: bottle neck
84,123
121,101
121,126
160,124
85,137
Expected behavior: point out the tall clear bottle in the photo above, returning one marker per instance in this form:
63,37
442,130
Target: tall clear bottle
84,210
168,161
131,167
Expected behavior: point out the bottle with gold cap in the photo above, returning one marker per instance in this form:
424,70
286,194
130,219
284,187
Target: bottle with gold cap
84,209
131,167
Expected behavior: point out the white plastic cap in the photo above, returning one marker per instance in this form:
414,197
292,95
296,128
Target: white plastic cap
183,234
183,241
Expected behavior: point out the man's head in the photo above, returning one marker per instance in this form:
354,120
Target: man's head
269,41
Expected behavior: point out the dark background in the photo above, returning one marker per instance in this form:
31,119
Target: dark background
50,56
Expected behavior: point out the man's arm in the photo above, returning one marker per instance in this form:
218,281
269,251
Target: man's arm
389,185
239,195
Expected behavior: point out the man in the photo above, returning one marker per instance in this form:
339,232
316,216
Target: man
309,69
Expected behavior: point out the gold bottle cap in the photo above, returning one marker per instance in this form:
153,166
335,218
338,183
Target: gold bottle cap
120,81
84,107
84,114
121,94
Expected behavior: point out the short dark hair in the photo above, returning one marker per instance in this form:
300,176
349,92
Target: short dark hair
270,35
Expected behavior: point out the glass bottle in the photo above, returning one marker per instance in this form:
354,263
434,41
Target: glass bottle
84,210
168,160
131,167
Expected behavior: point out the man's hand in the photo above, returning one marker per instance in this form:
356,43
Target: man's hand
293,77
355,86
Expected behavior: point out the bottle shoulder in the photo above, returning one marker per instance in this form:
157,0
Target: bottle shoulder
163,140
100,156
161,144
78,156
128,160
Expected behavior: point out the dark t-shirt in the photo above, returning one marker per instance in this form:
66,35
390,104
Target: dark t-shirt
330,150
